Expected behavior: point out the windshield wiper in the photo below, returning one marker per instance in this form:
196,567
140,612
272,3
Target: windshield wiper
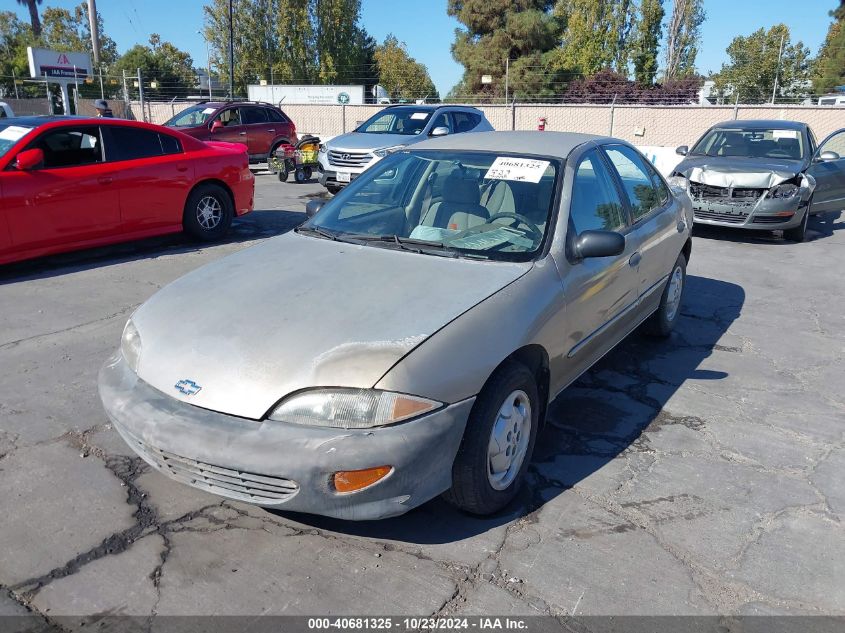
316,230
428,247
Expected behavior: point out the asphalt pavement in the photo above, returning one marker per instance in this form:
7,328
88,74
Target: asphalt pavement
696,476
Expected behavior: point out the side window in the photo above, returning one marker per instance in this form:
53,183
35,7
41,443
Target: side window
276,116
70,146
636,179
835,143
170,144
229,117
442,120
251,116
465,121
659,184
595,205
132,143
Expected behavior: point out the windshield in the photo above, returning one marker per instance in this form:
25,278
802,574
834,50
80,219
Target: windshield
757,143
406,121
193,116
459,204
11,134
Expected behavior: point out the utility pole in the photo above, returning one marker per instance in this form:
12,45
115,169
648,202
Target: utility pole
777,71
95,31
507,75
231,52
208,61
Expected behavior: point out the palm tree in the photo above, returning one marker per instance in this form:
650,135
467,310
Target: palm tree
32,5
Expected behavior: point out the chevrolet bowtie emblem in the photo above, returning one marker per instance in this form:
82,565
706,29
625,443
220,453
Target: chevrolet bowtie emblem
188,387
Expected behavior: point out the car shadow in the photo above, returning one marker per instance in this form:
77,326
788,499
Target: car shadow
819,227
259,224
600,416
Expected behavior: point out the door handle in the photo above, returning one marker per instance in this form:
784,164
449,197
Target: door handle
681,226
271,129
635,259
105,180
243,133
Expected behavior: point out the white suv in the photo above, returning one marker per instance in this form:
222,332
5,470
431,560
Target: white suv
343,158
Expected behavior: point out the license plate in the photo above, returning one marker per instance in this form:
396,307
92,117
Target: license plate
344,176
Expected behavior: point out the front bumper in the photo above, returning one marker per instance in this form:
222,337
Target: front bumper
327,172
759,213
280,465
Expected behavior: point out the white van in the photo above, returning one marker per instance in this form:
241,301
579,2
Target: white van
838,99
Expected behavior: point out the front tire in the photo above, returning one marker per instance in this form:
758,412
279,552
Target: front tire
662,322
799,233
498,442
208,212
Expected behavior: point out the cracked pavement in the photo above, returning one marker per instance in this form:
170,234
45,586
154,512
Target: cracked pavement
701,475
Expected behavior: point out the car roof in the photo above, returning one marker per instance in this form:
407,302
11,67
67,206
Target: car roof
762,124
38,120
554,144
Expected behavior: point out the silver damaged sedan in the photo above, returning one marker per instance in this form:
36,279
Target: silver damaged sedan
405,340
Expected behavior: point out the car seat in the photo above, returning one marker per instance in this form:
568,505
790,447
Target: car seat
460,207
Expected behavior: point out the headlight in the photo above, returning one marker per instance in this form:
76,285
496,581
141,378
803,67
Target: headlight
350,408
783,191
678,181
323,149
384,151
130,345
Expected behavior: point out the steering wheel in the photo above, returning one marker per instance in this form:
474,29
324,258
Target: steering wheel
535,231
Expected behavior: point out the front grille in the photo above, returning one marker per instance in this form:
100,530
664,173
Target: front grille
731,218
349,159
235,484
735,197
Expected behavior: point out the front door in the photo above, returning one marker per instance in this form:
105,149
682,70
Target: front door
233,130
600,292
71,199
829,194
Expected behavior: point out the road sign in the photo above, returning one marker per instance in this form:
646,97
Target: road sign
58,65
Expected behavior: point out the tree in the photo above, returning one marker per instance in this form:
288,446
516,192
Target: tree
161,63
14,38
607,86
522,31
32,5
63,30
400,74
683,37
829,67
596,35
750,74
646,42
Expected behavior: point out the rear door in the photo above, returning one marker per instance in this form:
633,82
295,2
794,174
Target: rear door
153,177
600,292
829,194
72,198
655,222
260,130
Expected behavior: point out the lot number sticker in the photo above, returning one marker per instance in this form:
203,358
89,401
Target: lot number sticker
520,169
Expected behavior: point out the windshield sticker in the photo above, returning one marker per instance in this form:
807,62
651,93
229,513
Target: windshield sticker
431,233
419,116
520,169
208,111
14,132
491,239
776,134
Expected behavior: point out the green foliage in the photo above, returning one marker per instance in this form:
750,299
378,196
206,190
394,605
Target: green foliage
291,41
829,67
646,43
683,36
596,35
162,64
71,31
523,31
750,74
400,74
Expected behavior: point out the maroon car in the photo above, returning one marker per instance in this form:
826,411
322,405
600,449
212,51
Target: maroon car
262,127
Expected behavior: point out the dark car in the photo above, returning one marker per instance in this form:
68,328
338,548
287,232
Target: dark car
262,127
763,175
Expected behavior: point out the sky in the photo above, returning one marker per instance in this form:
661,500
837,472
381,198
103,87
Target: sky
428,31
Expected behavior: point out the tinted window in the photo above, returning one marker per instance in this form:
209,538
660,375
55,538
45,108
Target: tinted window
131,143
465,121
71,146
442,120
170,144
596,205
636,178
253,115
275,115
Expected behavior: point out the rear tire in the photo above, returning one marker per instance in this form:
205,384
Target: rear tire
799,233
498,442
662,322
208,212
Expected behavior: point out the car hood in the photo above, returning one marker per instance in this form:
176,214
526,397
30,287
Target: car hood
718,171
369,142
296,312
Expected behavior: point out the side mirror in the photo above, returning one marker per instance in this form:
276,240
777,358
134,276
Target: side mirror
312,206
599,244
827,156
217,125
29,159
683,150
439,131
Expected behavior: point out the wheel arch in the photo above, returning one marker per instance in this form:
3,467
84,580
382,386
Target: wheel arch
535,357
210,181
687,249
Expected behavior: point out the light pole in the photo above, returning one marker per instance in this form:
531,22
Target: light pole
208,61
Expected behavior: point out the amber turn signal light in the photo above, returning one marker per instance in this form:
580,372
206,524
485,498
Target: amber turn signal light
352,480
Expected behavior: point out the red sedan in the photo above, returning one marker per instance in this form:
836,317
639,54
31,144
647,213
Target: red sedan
68,183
